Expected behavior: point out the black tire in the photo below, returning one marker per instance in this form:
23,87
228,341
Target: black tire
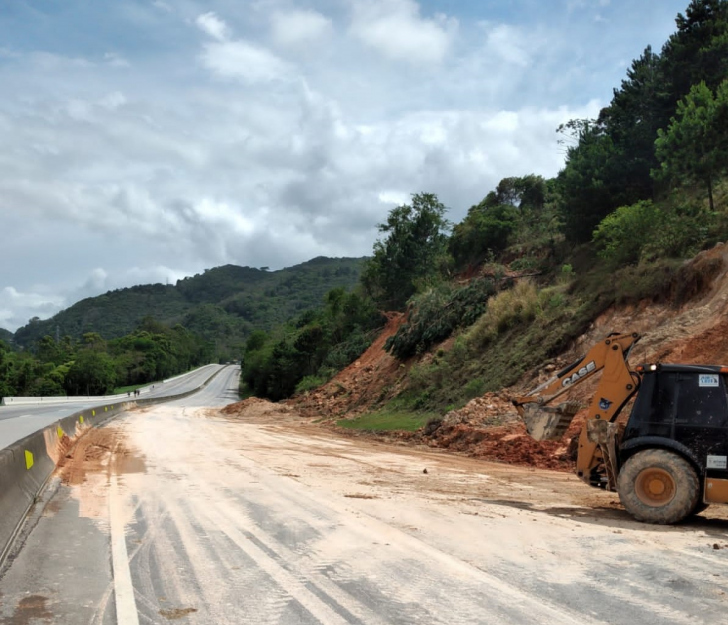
658,486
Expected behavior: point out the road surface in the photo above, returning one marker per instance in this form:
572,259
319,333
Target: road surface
17,422
179,513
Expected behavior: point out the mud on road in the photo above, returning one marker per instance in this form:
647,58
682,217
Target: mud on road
261,516
571,545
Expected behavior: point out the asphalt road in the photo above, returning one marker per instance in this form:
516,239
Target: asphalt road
177,513
18,422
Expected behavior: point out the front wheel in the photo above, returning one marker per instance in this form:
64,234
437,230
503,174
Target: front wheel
658,486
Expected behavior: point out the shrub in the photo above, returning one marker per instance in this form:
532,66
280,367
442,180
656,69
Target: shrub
309,383
517,305
434,316
622,234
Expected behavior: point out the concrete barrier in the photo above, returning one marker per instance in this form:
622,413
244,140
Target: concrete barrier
26,465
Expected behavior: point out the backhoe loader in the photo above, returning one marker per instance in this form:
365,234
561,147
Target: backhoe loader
669,459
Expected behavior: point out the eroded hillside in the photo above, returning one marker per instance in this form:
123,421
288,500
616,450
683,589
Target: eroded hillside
688,324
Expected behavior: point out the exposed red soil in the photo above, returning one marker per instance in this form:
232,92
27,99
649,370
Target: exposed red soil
374,377
688,324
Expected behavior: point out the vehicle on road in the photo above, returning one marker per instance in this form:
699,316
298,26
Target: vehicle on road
668,460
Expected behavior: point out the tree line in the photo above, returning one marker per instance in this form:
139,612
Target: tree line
94,366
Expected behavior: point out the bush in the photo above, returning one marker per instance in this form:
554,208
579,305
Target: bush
436,314
622,234
517,305
682,233
310,382
642,231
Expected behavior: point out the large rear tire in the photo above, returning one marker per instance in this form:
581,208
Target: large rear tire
658,486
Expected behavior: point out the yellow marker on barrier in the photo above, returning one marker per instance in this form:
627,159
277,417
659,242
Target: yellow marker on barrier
28,459
60,432
93,413
80,419
106,409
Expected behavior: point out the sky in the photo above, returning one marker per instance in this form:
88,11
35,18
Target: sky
147,140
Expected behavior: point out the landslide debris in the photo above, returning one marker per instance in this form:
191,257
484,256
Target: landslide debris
688,324
97,450
372,379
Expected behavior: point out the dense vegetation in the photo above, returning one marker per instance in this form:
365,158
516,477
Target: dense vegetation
222,305
145,333
93,366
536,260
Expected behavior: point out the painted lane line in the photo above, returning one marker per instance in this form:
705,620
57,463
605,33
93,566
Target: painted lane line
126,610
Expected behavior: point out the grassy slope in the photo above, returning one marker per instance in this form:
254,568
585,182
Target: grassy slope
448,379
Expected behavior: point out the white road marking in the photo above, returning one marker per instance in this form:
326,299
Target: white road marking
126,610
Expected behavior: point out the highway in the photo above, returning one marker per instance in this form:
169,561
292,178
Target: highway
177,512
17,422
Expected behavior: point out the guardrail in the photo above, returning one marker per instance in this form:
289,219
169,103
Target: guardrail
26,465
85,399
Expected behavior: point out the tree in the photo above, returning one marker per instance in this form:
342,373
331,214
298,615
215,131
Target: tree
697,51
589,184
632,119
92,373
484,230
410,254
693,148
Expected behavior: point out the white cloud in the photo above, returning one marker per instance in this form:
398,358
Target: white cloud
508,43
245,61
17,307
165,171
113,100
213,26
299,27
162,6
224,216
115,60
395,29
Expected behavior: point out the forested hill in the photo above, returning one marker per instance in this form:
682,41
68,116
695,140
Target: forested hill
5,335
223,304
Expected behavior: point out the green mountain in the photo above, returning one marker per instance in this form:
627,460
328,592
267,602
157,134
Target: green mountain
224,304
5,335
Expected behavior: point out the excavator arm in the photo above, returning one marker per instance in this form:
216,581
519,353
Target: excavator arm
546,420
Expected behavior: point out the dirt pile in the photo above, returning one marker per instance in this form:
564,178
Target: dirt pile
488,427
374,377
253,407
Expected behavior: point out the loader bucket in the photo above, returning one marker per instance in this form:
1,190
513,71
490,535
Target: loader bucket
548,423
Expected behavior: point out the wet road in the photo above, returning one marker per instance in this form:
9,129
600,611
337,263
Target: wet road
199,518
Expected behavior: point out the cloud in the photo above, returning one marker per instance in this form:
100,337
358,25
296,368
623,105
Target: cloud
273,135
395,29
245,61
213,26
507,43
299,27
115,60
17,307
162,6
